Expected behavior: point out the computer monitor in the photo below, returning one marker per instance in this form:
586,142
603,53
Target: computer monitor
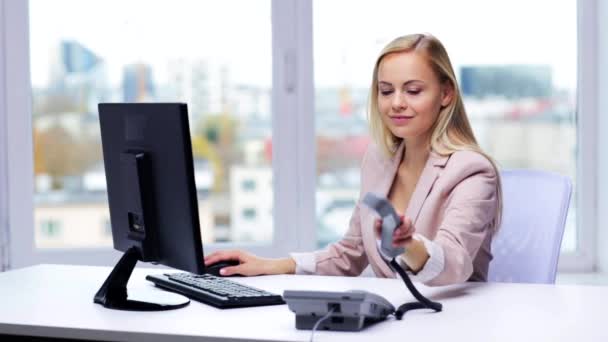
152,196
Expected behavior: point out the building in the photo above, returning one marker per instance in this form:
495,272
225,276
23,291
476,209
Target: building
137,83
203,85
510,81
251,203
78,215
77,81
68,220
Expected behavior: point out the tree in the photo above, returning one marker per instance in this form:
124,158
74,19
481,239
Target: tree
39,162
56,154
203,149
59,154
219,131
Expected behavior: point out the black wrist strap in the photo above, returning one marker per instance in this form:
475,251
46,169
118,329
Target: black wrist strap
423,302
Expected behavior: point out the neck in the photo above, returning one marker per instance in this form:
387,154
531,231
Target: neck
416,153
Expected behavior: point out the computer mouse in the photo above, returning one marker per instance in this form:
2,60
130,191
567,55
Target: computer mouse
214,269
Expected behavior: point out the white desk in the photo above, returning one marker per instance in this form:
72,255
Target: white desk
57,301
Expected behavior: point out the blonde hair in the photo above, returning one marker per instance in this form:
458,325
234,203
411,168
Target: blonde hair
452,131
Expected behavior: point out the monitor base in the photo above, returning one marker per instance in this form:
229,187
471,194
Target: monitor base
113,292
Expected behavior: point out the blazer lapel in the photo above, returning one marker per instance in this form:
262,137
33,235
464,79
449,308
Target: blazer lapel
427,178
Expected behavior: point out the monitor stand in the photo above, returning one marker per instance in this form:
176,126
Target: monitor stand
113,292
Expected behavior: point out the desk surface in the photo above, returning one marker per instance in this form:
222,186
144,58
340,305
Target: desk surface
57,301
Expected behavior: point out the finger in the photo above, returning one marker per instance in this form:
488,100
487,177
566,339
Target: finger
377,227
230,270
399,243
405,228
216,257
398,237
402,233
401,239
212,258
222,255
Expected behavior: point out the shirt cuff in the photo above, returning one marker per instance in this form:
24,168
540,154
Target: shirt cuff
305,262
433,266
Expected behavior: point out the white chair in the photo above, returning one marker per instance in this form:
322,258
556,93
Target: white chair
527,246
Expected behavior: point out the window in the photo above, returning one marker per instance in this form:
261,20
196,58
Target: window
77,63
106,227
50,228
108,52
249,214
520,98
248,185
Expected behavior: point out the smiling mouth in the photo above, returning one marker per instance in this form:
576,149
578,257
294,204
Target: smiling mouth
401,120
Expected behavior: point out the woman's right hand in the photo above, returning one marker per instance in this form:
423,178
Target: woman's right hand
401,235
250,264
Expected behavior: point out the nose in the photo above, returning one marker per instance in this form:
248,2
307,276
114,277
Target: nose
399,103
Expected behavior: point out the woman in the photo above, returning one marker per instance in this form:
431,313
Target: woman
426,161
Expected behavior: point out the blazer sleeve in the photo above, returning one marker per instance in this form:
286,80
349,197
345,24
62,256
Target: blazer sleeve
346,257
469,217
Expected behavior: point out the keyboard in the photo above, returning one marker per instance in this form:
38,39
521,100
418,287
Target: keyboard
216,291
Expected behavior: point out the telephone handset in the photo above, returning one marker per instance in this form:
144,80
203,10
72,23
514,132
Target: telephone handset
390,222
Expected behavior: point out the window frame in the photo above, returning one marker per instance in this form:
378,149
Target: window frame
584,259
598,83
4,217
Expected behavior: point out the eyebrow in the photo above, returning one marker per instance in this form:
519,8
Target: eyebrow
406,83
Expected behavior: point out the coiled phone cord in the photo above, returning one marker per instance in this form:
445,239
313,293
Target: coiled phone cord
422,303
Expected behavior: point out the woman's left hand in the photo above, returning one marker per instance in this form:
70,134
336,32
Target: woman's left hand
402,235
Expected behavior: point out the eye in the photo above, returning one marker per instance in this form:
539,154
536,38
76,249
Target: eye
413,91
386,92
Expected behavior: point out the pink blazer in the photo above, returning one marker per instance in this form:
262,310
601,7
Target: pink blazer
454,204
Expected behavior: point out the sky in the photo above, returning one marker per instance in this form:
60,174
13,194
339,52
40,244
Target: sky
348,34
236,33
486,32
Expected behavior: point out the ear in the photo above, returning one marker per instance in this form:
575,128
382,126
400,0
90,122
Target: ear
447,93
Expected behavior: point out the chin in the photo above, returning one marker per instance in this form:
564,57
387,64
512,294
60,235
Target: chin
404,132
